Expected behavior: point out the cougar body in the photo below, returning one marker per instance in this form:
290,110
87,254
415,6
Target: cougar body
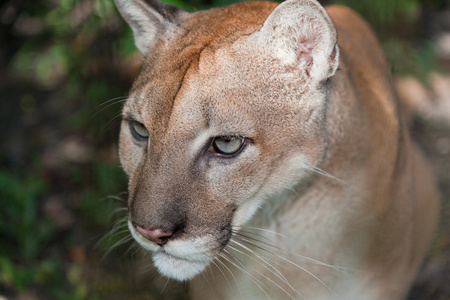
265,150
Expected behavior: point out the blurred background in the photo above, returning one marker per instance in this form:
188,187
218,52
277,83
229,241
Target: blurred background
65,69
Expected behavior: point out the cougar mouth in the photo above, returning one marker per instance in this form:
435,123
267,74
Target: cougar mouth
181,259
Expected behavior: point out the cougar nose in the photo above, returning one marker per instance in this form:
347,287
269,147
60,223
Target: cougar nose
155,235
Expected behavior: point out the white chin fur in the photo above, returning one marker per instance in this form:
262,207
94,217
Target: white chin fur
177,268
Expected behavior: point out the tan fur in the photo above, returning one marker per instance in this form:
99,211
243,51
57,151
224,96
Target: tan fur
364,226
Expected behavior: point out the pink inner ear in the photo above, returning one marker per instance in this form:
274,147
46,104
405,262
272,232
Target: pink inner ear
303,51
304,55
304,42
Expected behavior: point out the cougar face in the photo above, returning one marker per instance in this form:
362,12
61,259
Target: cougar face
205,142
239,117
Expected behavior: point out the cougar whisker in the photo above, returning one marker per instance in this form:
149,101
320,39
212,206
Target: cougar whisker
264,230
229,271
323,172
243,234
164,287
252,278
105,105
272,269
311,260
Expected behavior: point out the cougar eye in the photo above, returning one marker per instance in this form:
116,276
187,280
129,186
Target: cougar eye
228,145
138,130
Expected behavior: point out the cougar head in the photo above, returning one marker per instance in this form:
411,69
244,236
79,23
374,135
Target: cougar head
227,112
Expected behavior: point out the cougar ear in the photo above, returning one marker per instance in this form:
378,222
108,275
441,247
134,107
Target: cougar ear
302,35
149,19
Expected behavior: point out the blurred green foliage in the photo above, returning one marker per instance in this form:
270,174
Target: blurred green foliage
25,235
19,217
29,237
404,39
384,12
78,52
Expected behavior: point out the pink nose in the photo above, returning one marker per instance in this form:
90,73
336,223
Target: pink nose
155,235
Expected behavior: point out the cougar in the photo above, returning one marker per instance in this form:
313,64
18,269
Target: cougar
267,155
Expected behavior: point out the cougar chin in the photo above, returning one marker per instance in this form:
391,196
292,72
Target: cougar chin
178,268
